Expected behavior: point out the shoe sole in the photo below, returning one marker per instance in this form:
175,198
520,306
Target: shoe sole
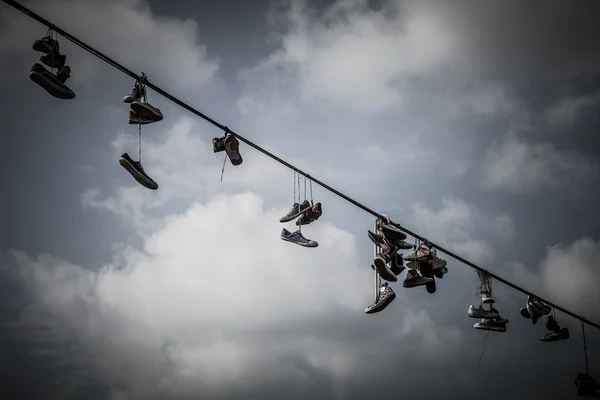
142,111
487,328
431,286
50,84
481,316
313,244
42,47
393,232
382,306
232,150
150,184
384,271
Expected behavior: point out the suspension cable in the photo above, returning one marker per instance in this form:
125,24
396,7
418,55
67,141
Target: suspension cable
180,103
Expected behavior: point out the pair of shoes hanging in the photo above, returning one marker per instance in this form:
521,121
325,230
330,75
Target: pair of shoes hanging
555,332
53,83
491,320
231,146
535,309
305,213
141,113
424,266
389,239
385,296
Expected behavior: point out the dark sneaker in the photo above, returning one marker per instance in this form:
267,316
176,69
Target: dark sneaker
397,264
525,313
136,94
551,324
480,312
51,83
218,144
232,148
413,279
46,45
297,238
404,245
392,232
137,171
310,215
384,271
63,74
490,325
296,211
147,111
54,60
563,333
384,297
502,320
135,119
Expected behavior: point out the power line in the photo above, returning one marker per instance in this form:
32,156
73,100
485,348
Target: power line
180,103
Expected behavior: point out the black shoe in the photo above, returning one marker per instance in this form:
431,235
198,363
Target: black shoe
137,171
46,45
53,84
384,297
384,270
218,144
54,60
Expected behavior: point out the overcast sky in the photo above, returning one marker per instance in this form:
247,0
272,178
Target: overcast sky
474,123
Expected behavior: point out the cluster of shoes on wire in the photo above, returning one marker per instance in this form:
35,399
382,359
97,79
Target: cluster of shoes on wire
304,213
536,309
423,265
52,81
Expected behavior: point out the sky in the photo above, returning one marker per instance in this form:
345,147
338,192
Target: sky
472,123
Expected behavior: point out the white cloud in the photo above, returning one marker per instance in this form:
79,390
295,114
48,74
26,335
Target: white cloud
455,225
216,302
568,276
566,111
515,165
353,55
134,36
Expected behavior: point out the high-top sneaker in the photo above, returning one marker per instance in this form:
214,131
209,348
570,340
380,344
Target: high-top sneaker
384,297
53,84
295,212
136,94
232,148
54,60
490,325
137,171
413,279
46,45
297,238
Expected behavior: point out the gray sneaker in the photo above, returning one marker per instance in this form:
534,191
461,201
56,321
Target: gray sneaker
413,279
490,325
480,312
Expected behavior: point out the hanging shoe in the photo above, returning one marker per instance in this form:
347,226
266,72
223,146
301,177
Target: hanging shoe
137,171
218,144
295,212
384,271
423,253
525,313
563,333
480,312
404,245
136,94
439,267
486,298
46,45
551,324
147,111
54,60
413,279
232,148
384,297
396,265
501,320
490,325
310,215
135,119
297,238
53,84
392,232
